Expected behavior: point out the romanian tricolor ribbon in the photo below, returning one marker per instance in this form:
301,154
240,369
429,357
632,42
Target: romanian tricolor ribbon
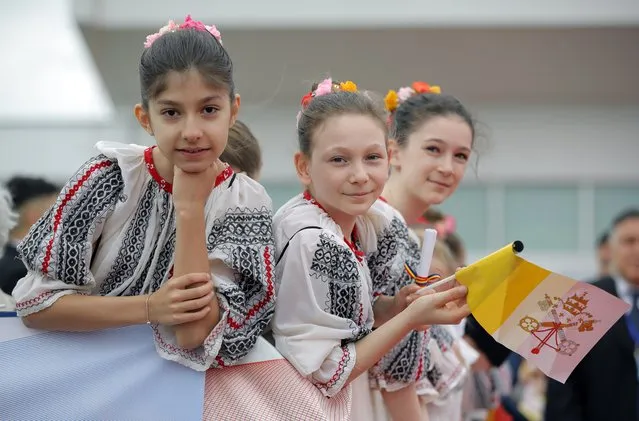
422,281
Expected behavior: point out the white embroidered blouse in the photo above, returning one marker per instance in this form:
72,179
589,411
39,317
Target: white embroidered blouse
112,232
326,287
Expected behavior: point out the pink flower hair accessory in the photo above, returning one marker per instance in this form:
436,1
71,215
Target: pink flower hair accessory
326,87
189,23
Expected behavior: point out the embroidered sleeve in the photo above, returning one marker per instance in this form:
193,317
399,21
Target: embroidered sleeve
319,310
409,360
447,369
386,263
241,249
58,250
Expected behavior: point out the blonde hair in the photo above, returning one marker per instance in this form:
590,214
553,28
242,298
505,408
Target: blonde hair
444,255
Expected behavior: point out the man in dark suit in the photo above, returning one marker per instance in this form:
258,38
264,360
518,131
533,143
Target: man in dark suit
31,198
605,385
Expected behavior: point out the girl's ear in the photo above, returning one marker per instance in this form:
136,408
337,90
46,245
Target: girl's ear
302,166
394,156
143,118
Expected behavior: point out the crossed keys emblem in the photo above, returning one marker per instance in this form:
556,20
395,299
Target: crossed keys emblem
566,315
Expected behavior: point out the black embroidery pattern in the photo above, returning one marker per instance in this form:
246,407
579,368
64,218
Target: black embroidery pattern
242,226
442,337
408,361
130,252
336,265
245,239
84,203
165,260
380,261
387,262
411,255
159,245
32,247
404,362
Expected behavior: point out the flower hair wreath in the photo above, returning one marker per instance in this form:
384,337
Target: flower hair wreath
188,24
393,98
325,87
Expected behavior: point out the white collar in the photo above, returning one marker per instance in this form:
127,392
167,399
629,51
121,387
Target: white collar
624,289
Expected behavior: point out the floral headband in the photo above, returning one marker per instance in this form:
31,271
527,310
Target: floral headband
325,87
188,24
394,98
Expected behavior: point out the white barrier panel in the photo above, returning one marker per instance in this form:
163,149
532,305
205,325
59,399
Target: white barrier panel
113,374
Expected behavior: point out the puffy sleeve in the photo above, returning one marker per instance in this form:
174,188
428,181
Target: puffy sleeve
408,362
318,289
241,249
58,249
410,359
386,262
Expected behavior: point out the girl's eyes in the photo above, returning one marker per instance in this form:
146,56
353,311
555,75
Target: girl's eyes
342,160
435,149
172,113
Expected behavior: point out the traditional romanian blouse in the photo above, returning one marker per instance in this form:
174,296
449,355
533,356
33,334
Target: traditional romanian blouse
112,233
326,287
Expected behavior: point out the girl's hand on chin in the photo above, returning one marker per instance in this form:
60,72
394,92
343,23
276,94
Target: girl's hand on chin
191,190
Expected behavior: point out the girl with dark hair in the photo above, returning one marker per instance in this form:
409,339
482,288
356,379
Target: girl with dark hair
167,235
431,140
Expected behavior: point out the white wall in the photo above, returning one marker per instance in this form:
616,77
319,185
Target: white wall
518,143
360,13
543,143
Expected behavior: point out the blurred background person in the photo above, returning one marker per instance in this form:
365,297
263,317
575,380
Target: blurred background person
243,152
7,221
31,197
605,384
603,255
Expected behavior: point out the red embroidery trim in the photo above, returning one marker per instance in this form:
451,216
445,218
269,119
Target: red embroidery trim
58,213
351,244
38,299
341,366
270,292
168,187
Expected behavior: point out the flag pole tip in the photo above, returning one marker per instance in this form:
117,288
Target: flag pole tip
518,246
